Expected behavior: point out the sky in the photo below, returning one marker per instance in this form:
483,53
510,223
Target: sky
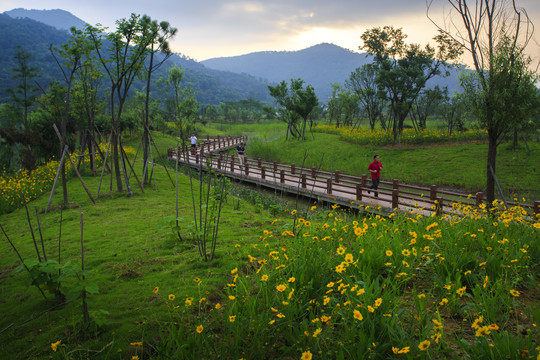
221,28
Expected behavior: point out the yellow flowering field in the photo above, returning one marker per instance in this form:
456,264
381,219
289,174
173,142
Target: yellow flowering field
338,286
365,136
35,183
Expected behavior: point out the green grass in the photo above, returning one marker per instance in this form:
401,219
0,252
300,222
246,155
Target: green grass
127,254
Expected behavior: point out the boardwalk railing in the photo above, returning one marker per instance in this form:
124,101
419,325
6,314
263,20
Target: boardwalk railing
331,186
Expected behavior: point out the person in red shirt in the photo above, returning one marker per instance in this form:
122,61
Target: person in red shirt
375,169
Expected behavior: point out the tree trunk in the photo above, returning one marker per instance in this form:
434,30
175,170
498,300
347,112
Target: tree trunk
116,163
491,160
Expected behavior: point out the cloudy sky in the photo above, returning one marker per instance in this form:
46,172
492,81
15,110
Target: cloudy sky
215,28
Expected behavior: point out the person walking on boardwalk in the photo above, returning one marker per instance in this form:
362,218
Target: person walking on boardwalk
240,149
193,140
375,169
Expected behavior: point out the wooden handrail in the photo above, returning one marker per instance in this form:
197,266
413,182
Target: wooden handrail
332,184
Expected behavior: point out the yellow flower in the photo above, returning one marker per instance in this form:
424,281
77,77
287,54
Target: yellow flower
378,302
421,296
55,345
306,355
325,318
493,327
370,308
313,207
232,318
514,293
234,271
281,287
137,343
358,315
291,279
317,332
443,302
156,289
218,306
405,252
461,291
264,277
424,345
481,331
405,350
197,280
293,212
476,322
172,297
200,328
232,297
388,253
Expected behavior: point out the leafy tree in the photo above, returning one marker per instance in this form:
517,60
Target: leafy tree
363,83
158,36
343,104
17,127
179,102
403,70
453,111
123,60
426,104
297,103
72,54
87,104
495,33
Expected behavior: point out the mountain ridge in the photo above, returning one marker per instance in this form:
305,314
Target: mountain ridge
58,18
243,76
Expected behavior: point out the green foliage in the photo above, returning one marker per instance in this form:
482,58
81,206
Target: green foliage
296,103
403,70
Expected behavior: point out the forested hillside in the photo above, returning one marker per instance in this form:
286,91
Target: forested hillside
319,65
212,86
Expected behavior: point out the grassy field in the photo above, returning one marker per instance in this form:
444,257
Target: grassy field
309,282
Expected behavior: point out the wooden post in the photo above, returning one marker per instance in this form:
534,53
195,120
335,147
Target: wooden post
259,162
336,176
433,192
282,176
329,186
358,191
263,173
232,163
395,198
313,172
304,182
293,168
275,166
196,158
395,184
364,180
246,167
219,163
479,198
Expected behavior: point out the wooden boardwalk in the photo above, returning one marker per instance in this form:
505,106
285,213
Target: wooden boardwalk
323,186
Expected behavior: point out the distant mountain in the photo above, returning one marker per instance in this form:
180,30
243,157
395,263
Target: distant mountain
319,66
212,86
60,19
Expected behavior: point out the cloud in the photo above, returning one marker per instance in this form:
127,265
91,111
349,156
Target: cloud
211,28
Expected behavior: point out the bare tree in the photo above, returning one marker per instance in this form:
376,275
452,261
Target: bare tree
495,33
